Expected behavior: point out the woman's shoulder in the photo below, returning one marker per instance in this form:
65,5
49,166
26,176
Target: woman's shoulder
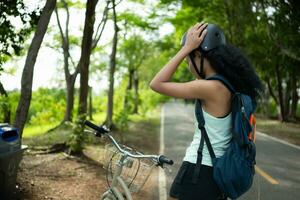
218,104
215,89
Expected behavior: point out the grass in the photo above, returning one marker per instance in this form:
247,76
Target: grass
37,130
59,135
283,130
142,129
99,117
39,135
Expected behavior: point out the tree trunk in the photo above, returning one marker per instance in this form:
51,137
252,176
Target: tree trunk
265,102
271,91
112,66
128,88
295,96
27,75
287,97
85,56
91,103
282,115
136,91
70,82
6,106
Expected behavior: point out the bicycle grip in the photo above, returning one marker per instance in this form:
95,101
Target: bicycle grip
163,159
99,129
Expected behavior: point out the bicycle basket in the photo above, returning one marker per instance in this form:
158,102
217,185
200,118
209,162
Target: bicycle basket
134,173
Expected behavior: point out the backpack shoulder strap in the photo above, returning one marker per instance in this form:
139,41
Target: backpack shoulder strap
204,137
223,80
201,123
199,113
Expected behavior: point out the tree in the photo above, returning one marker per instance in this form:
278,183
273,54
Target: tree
27,75
86,49
112,66
282,54
76,141
134,51
71,77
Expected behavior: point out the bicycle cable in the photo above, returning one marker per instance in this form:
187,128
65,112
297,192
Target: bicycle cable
106,175
129,185
110,171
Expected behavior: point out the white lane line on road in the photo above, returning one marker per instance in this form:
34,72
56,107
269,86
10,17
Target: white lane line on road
161,175
278,140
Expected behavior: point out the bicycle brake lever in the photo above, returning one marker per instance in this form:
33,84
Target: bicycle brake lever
97,134
159,164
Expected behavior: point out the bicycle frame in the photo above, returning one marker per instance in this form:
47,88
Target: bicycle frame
113,193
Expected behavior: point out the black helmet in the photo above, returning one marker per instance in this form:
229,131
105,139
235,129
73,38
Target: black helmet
214,37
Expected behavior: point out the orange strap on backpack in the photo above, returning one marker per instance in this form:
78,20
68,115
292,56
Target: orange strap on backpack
252,134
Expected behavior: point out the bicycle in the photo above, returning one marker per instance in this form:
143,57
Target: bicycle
113,193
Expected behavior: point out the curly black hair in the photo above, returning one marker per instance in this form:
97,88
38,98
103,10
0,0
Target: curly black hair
230,62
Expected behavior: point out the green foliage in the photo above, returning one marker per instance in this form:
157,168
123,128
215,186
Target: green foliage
4,106
135,20
122,119
47,106
133,51
73,3
150,99
138,1
77,139
273,109
99,103
11,37
11,102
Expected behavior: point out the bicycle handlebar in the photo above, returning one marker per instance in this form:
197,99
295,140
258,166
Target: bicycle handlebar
160,159
164,159
99,129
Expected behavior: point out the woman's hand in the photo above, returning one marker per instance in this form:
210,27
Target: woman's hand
195,36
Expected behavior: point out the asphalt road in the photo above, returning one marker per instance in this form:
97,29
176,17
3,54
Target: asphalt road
278,173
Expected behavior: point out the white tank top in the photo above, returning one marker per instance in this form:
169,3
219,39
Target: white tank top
219,133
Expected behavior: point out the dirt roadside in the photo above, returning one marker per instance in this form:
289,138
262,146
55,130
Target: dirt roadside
60,177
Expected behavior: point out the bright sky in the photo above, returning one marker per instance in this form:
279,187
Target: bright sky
48,70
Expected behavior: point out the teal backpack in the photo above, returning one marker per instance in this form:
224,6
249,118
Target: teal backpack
234,171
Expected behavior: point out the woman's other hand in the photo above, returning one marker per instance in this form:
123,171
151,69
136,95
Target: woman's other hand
195,36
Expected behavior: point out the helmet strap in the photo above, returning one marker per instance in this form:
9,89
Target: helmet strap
202,66
200,73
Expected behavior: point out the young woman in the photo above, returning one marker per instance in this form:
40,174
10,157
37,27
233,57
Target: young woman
205,50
